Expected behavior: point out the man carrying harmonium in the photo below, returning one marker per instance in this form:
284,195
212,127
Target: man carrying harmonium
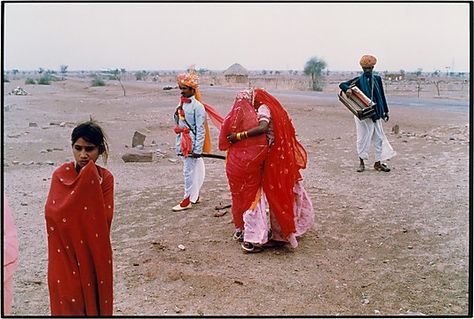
370,129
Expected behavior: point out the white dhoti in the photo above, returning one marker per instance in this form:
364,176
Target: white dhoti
368,131
198,179
194,172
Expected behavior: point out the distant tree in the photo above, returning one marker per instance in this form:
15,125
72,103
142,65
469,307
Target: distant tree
15,71
264,72
447,70
201,71
437,83
63,69
117,75
40,70
418,87
314,68
419,71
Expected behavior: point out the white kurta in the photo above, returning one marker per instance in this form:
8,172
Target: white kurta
368,131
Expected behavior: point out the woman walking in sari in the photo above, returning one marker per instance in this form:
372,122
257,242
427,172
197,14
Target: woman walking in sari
263,163
78,213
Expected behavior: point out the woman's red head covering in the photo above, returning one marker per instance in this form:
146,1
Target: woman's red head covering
286,157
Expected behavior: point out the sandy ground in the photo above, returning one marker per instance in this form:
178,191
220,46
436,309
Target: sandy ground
383,243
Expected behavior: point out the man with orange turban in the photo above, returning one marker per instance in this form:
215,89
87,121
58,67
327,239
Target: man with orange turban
192,138
370,129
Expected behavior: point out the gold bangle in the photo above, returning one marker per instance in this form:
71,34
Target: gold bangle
238,136
246,134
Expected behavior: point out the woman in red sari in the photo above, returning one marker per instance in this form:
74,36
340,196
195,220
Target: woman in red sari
274,174
78,213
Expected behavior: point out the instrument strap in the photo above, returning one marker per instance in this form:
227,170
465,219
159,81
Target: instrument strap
372,93
185,121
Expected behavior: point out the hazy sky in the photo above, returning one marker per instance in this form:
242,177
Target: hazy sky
276,36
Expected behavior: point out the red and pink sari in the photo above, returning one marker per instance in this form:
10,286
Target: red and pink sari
252,165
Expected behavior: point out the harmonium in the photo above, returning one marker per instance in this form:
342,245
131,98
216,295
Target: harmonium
358,103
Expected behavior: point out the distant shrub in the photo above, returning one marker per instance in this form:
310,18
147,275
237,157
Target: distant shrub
97,82
55,78
6,79
45,80
30,81
140,75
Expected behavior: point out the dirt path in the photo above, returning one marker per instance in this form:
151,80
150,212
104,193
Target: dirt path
386,244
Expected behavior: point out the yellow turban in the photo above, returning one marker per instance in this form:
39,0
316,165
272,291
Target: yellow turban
188,79
368,61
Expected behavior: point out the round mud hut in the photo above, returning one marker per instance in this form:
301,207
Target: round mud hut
236,74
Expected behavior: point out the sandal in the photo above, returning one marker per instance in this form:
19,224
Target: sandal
381,167
274,244
251,248
220,206
238,235
361,168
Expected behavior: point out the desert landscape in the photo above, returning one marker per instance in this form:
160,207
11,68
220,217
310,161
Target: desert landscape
383,244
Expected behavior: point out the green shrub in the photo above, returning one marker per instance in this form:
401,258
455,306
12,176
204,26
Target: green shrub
97,82
55,78
140,75
30,81
44,80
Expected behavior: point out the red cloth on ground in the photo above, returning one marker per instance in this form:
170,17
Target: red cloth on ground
79,212
244,165
286,157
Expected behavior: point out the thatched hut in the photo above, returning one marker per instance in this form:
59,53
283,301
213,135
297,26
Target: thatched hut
236,74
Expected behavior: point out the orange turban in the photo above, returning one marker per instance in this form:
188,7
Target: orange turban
188,79
367,61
